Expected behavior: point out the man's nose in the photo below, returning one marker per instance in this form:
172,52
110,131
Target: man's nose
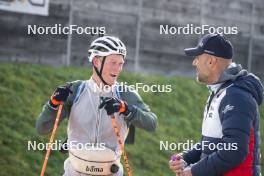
117,68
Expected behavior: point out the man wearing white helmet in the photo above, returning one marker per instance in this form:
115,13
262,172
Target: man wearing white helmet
89,109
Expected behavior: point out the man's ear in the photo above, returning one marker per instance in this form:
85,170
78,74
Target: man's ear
96,62
212,61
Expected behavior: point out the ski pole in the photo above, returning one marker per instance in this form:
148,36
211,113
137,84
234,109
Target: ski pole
51,140
122,147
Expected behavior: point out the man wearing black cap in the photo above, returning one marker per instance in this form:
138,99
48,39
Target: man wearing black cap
230,142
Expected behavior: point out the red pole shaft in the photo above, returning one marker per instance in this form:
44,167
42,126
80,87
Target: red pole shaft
122,147
51,140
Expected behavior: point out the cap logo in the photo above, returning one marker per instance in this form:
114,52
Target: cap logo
201,44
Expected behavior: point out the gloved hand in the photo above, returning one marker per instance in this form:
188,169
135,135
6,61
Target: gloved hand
60,95
112,105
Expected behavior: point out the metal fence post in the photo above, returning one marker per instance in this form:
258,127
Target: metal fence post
251,38
69,38
140,2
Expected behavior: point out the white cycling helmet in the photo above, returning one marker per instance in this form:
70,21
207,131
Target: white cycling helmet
106,45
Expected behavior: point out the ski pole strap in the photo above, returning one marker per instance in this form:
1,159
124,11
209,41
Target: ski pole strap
51,140
122,147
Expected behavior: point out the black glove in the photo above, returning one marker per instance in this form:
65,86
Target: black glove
60,95
112,105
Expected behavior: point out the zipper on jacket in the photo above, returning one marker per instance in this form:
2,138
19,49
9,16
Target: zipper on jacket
97,121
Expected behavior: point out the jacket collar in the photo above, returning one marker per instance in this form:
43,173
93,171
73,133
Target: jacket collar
214,87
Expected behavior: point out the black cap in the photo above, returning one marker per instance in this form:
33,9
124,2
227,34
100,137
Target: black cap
213,44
